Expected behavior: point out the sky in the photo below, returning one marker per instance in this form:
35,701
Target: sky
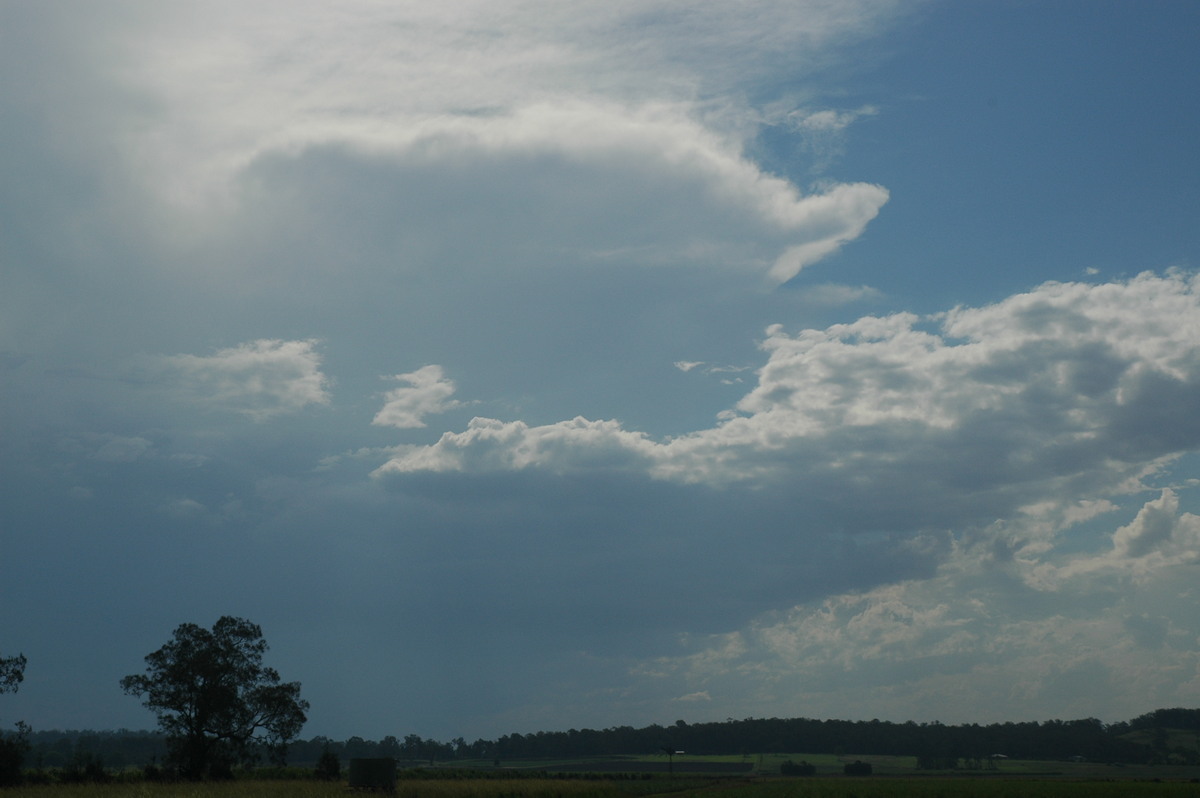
520,365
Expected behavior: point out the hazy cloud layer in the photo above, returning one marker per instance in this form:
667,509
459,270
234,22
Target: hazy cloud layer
1022,629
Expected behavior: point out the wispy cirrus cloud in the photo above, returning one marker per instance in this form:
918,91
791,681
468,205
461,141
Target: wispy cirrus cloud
831,294
822,132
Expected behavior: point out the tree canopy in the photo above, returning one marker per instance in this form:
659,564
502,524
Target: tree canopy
12,672
215,700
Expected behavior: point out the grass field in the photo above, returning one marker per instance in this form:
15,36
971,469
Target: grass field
491,788
876,787
893,776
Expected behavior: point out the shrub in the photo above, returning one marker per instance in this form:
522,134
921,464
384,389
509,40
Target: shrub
84,767
790,768
329,767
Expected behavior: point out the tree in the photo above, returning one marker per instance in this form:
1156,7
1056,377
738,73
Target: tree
12,748
329,766
12,673
214,699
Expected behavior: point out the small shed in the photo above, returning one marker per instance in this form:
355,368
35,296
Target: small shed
373,774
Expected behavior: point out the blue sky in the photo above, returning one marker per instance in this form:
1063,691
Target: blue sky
526,366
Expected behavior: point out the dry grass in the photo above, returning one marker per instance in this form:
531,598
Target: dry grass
489,788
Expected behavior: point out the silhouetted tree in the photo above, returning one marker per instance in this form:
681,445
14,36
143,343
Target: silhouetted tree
329,767
12,673
214,699
14,746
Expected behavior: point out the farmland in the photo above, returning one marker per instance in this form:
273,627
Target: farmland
693,777
878,787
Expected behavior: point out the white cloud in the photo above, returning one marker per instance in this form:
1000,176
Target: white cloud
649,184
122,448
491,445
184,508
260,379
1157,526
222,90
1070,389
823,132
828,120
555,201
834,294
428,393
709,368
699,695
371,70
1158,539
984,632
840,215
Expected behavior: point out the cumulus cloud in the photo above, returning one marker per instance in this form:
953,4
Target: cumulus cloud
260,379
491,445
1157,526
1158,538
428,393
1072,389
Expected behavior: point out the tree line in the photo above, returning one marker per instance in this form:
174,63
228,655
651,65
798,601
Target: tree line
934,744
218,706
938,745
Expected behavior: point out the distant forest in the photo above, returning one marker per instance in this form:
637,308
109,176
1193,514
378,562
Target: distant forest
1165,735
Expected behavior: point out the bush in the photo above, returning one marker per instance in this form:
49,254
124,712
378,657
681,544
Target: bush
84,767
790,768
857,768
329,767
